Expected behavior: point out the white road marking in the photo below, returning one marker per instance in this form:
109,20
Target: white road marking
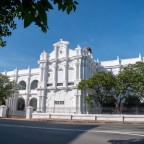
77,130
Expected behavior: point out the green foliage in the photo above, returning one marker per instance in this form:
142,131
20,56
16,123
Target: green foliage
130,82
7,88
100,86
109,89
30,11
132,101
109,101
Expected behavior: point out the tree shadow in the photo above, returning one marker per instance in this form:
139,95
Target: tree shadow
130,141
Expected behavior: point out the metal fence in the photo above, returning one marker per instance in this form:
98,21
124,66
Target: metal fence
113,110
76,110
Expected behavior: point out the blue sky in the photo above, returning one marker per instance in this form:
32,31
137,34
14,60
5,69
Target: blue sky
110,27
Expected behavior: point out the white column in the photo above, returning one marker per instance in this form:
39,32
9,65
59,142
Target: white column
79,70
41,107
12,103
55,75
41,72
3,109
141,58
65,75
28,87
85,70
119,63
45,72
29,111
43,98
39,103
78,101
42,89
76,71
16,96
16,75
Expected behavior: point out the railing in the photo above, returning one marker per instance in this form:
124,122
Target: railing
113,110
91,117
77,110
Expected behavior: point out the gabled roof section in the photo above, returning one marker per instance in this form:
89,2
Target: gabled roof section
63,46
61,43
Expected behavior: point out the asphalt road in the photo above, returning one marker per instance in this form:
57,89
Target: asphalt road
36,132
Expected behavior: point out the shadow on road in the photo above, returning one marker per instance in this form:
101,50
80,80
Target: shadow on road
131,141
46,133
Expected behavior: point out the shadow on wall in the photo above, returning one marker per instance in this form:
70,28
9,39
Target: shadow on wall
131,141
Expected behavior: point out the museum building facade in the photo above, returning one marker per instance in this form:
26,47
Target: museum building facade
52,88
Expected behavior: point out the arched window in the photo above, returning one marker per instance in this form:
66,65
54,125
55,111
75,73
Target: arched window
33,103
34,84
71,74
22,85
20,104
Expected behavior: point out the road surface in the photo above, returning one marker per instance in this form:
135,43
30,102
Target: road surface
36,132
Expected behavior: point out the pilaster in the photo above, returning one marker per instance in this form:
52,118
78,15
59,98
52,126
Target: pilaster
119,63
55,75
79,70
28,87
16,75
141,58
65,74
42,88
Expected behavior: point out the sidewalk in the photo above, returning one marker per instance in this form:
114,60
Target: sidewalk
74,121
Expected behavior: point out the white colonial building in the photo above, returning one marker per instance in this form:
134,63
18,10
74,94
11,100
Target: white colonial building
53,86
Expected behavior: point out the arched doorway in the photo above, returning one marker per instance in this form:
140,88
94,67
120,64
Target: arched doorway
20,104
33,103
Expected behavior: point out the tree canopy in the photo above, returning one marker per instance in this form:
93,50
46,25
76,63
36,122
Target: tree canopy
30,11
106,87
100,86
130,82
7,88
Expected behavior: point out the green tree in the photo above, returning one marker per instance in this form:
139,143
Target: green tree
7,88
130,82
30,11
109,101
100,86
132,101
109,90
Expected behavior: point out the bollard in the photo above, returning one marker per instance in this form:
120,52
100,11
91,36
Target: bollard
71,117
123,119
95,118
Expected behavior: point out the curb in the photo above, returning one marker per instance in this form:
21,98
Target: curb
73,121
